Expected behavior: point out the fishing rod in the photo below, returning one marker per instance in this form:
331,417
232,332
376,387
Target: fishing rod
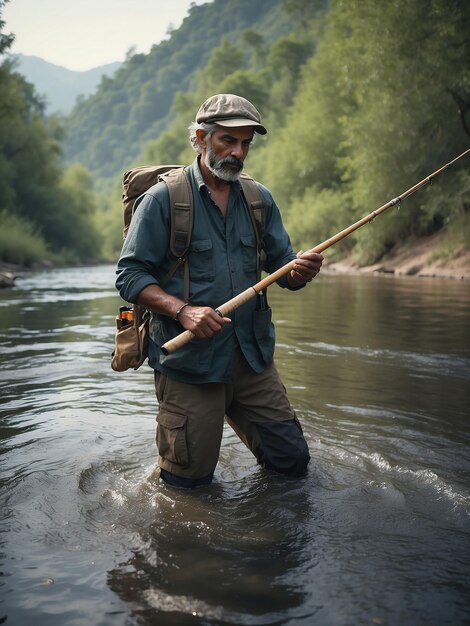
225,309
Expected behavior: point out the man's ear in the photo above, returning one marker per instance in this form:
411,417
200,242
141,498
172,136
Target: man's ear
201,137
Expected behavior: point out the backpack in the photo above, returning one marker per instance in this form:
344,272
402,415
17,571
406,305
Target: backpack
131,338
138,180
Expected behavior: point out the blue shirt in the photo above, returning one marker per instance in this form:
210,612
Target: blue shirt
222,263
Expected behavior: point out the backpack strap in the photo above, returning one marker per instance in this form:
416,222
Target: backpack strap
182,215
257,212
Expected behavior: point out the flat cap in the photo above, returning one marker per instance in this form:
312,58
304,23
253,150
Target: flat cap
227,109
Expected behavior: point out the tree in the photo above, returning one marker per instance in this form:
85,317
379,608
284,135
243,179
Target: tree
75,223
373,115
223,61
34,192
6,39
255,41
397,135
304,10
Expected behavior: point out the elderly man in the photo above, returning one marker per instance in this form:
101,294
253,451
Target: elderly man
227,371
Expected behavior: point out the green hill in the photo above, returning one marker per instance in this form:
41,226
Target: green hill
108,129
362,100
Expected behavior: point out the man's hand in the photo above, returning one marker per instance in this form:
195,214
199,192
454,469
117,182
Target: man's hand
202,321
306,267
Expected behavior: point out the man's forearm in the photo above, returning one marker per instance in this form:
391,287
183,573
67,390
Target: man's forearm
157,300
203,322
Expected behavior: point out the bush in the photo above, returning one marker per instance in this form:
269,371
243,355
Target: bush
20,241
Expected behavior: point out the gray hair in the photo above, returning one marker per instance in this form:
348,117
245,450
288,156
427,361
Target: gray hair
208,129
193,127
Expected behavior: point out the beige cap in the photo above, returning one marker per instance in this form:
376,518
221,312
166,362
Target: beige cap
226,109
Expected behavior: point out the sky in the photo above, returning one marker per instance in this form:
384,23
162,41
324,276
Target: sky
83,34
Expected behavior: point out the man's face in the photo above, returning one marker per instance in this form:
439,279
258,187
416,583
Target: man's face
224,152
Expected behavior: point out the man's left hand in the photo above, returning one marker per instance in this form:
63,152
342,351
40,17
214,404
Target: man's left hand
306,267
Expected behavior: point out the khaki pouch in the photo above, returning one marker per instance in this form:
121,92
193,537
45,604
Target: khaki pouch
131,340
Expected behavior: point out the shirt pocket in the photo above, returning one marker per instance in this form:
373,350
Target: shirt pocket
201,260
249,253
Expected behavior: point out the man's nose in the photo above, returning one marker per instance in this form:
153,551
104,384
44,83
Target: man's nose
237,150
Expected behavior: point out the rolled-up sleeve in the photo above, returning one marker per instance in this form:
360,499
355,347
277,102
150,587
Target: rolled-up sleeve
146,245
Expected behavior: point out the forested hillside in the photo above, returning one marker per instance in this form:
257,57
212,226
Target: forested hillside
361,98
47,212
108,129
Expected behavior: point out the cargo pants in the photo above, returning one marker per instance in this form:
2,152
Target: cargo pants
191,418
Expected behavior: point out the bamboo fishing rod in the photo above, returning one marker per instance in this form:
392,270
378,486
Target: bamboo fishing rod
225,309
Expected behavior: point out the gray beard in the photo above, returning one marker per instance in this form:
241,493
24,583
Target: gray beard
218,167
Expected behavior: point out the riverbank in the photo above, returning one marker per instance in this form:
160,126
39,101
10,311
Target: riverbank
10,271
427,257
7,275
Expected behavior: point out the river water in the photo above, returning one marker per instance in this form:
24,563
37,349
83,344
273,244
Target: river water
378,370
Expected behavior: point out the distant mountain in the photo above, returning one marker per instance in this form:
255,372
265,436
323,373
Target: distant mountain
58,85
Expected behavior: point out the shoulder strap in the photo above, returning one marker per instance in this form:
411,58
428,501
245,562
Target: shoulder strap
182,212
255,200
181,204
257,211
182,215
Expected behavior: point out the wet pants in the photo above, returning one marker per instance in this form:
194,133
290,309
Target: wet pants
191,418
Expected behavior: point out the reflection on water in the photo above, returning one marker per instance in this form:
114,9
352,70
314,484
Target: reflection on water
376,533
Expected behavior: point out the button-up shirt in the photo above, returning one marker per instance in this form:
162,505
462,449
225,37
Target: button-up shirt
222,263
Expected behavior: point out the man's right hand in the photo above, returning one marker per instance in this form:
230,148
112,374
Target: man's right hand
202,321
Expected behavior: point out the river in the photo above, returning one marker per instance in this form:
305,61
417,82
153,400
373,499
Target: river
378,370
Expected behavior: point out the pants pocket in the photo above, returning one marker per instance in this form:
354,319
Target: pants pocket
264,333
171,438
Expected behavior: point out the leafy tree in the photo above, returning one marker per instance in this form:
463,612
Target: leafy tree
248,84
375,113
304,11
75,221
396,136
34,194
172,144
255,41
223,61
285,60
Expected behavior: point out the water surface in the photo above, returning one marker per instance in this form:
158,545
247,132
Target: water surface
378,371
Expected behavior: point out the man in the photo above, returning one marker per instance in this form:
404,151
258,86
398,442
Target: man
228,369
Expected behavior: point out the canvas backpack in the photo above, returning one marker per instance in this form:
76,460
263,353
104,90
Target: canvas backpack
138,180
132,332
